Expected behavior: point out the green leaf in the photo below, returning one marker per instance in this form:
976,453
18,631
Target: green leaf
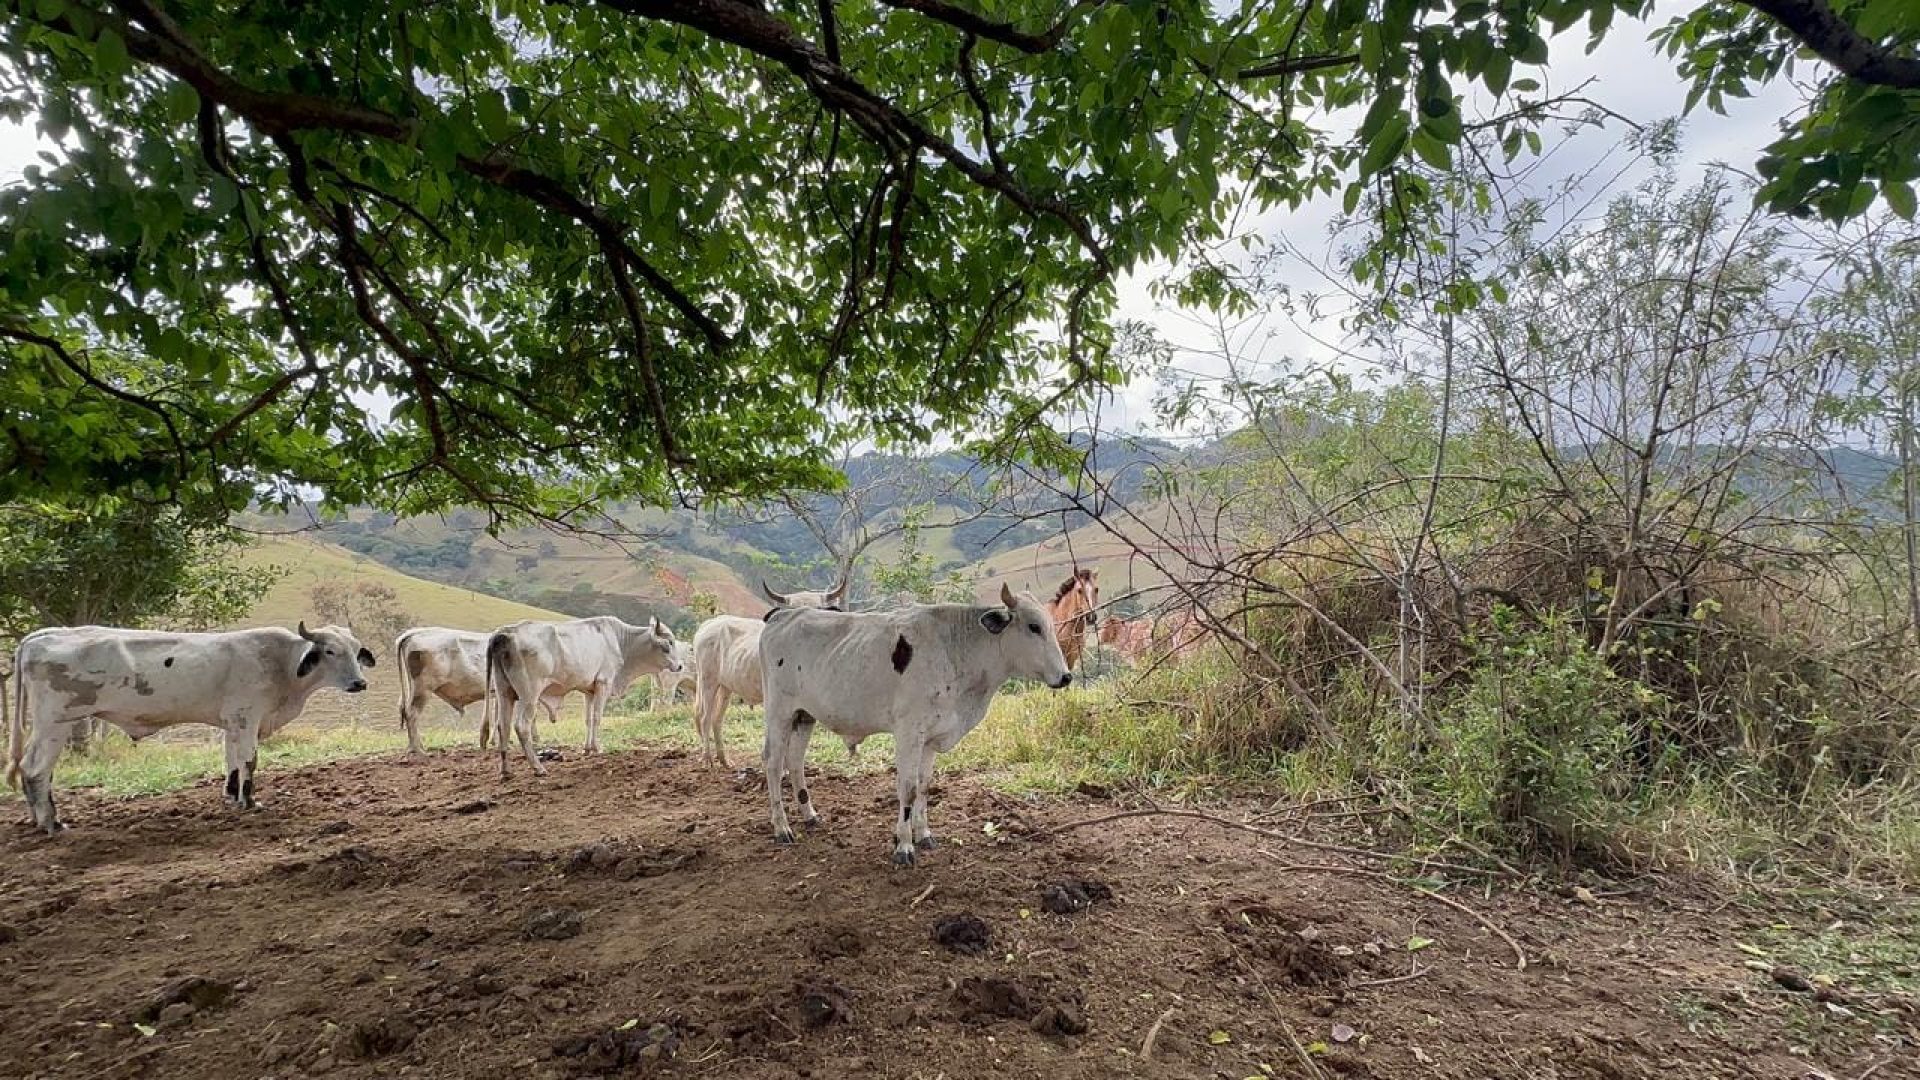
110,52
1899,196
1218,1037
1499,71
1386,145
1529,48
490,108
1416,943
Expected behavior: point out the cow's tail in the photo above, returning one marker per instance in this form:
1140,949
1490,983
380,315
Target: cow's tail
497,646
16,735
406,680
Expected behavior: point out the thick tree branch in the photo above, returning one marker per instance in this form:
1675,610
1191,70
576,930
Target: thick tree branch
1837,42
643,351
1295,65
1004,33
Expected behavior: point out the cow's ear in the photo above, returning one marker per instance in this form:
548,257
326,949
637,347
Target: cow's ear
996,620
366,658
307,664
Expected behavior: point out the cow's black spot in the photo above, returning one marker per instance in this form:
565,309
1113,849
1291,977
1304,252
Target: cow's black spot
902,654
233,784
307,664
168,662
246,791
906,808
802,796
782,662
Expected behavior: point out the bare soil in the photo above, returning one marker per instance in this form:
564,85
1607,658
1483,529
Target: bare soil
629,915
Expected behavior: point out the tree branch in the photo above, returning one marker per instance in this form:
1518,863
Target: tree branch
1837,42
1005,33
1295,65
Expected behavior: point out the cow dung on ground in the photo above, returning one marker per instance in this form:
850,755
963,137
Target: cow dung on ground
1070,897
554,924
962,933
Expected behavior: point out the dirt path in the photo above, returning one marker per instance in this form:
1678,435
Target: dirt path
383,919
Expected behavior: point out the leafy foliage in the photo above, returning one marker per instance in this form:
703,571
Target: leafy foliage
122,565
535,256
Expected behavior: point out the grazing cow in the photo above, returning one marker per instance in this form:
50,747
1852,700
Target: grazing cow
925,673
601,657
452,666
1075,611
726,664
248,683
666,684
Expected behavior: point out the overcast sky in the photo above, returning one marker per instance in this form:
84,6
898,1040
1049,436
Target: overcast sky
1628,78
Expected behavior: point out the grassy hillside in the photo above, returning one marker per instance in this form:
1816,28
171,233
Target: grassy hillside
1041,567
304,562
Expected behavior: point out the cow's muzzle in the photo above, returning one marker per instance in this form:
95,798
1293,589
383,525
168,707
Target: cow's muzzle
356,686
1064,681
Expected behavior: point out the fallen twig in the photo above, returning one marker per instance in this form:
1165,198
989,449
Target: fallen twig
1306,1059
1367,984
1146,1046
1519,954
1285,838
924,893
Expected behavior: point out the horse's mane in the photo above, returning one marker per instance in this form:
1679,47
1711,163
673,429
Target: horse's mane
1065,587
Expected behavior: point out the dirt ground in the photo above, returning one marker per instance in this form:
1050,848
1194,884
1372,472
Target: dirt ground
629,915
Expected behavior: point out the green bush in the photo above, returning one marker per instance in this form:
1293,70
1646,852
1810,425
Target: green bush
1535,752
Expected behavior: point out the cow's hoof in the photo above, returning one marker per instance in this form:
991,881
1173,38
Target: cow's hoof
903,858
925,843
810,824
54,829
784,839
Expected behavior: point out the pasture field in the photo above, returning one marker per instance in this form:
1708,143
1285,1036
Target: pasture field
628,915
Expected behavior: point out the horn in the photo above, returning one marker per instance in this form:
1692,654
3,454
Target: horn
304,633
1006,595
778,599
839,592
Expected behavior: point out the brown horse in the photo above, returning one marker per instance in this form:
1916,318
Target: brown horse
1075,608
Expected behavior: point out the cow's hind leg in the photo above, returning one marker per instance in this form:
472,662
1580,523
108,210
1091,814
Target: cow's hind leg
773,758
795,764
523,730
36,773
709,711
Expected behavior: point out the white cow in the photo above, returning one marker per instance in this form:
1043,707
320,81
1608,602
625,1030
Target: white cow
925,673
452,666
726,663
248,683
666,684
601,657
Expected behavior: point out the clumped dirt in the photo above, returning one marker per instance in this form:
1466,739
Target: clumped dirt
386,919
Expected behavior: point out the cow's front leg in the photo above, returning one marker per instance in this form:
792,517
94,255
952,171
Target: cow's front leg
243,753
596,705
906,777
922,835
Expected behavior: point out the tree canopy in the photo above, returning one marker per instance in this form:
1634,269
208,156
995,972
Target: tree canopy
531,254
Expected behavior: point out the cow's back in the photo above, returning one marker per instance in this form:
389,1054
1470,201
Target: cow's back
726,648
145,679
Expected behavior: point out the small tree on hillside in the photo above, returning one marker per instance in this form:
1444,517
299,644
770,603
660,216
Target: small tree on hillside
370,608
120,564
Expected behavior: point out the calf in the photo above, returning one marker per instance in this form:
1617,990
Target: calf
248,683
601,656
925,673
452,666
